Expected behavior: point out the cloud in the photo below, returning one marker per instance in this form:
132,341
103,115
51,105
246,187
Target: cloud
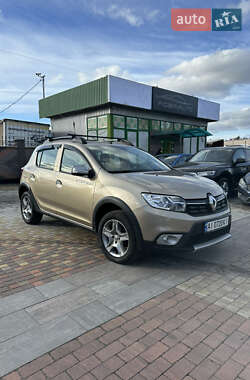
82,77
56,79
245,6
126,14
111,70
212,75
234,123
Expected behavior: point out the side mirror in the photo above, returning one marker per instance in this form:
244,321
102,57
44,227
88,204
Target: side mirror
81,171
247,178
239,160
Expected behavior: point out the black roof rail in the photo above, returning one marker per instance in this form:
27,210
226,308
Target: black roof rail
90,138
85,138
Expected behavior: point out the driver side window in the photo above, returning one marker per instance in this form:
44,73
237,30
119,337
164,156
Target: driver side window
73,158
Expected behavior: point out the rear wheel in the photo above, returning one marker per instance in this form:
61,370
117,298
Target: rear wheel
29,214
117,238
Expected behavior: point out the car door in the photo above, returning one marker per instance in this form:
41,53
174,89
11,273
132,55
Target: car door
42,179
248,160
240,168
74,194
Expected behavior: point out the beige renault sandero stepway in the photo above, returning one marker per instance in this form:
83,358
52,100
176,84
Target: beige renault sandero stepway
127,196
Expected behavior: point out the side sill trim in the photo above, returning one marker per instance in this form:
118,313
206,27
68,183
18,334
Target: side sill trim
211,242
67,220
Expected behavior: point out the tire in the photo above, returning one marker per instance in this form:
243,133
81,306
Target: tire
29,214
113,227
225,184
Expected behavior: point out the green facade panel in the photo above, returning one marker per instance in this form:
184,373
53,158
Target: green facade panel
78,98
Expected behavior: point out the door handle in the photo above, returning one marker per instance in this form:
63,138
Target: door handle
32,177
58,183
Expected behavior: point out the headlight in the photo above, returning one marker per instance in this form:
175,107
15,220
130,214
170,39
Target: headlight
243,184
208,173
165,202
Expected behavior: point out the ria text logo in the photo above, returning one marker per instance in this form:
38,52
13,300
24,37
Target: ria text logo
206,19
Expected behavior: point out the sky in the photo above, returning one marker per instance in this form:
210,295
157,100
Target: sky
75,41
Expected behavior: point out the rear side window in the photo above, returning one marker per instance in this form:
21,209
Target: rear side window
248,154
46,158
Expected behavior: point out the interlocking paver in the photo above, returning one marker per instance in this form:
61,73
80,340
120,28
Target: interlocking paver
158,354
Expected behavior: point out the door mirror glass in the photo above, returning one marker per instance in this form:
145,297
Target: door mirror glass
80,170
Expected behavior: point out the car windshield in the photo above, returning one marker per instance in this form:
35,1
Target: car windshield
213,155
125,159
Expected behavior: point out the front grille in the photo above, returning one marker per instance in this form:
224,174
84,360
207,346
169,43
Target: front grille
201,207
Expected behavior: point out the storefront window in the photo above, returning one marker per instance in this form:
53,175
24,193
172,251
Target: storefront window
156,125
131,123
166,126
92,123
177,126
103,121
118,121
143,124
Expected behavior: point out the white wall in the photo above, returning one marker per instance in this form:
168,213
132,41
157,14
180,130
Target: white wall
208,110
123,91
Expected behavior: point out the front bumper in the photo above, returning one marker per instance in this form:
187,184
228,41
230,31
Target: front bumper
155,222
244,195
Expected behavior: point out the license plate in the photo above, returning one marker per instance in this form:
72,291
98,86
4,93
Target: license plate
216,224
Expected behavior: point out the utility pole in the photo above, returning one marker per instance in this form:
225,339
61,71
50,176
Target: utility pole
42,79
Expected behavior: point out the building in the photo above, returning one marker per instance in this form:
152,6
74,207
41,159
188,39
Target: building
12,130
152,118
244,142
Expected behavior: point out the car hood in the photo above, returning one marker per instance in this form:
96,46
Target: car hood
172,182
200,166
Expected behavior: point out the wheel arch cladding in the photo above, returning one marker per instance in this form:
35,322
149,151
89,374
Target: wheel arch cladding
111,204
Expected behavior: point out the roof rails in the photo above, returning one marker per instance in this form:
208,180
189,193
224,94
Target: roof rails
85,138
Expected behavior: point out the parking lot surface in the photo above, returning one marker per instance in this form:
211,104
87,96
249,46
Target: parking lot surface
68,313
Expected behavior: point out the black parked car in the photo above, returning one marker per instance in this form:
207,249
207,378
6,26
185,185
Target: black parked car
174,159
225,165
244,189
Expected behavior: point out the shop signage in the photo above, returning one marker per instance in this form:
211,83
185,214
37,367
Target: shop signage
174,102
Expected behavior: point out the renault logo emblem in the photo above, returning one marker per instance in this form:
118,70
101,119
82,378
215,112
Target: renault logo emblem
212,201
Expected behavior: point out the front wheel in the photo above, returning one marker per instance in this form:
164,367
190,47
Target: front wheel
117,238
29,214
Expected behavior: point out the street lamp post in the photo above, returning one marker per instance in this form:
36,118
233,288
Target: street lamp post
42,79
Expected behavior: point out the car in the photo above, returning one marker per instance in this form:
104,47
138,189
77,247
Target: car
244,189
128,197
225,165
174,159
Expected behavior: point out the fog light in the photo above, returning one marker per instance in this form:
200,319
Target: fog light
169,239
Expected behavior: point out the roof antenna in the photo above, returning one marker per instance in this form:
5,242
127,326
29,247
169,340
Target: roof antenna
74,127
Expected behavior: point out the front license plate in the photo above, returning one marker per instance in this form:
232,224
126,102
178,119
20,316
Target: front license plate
216,224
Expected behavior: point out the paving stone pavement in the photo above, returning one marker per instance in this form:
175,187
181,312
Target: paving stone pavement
35,255
175,335
182,317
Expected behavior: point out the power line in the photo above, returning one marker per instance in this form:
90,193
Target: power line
41,60
20,98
